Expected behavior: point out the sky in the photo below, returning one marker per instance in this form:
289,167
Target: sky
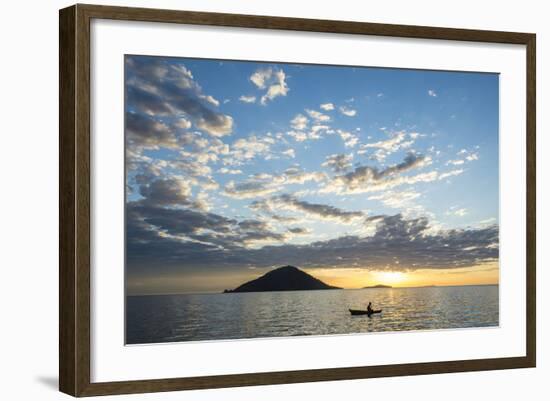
357,175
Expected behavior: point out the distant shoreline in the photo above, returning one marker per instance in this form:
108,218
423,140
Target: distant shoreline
220,292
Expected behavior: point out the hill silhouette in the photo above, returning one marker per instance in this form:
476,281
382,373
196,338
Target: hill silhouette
286,278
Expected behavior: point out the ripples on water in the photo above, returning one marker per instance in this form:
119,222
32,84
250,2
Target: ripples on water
194,317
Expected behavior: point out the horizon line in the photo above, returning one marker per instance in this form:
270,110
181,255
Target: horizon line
341,288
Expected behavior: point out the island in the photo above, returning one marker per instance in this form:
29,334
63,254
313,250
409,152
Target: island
286,278
378,286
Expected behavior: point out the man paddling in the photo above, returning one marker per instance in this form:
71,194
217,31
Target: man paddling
369,308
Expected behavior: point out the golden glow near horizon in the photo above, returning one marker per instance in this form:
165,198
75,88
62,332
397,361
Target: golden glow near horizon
359,278
390,277
347,278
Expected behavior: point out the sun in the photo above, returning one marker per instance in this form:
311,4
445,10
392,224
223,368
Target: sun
390,277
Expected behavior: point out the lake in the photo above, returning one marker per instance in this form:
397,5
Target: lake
198,317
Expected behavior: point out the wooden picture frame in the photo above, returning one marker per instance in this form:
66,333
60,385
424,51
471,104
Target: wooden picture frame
74,200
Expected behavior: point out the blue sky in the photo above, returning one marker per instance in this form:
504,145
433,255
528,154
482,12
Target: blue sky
235,166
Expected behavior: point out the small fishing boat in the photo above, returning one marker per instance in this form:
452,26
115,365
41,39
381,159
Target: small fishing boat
357,312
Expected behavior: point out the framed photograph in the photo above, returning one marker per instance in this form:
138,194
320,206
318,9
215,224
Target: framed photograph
250,200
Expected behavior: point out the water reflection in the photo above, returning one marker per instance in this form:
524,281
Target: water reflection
173,318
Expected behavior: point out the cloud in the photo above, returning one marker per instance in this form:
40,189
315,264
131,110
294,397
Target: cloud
253,225
467,157
264,184
249,189
350,140
225,170
300,130
294,175
432,93
195,239
299,230
396,200
487,222
274,81
314,133
291,203
456,211
146,132
181,235
386,147
369,179
451,173
317,115
390,145
210,99
197,151
289,152
298,136
222,125
347,111
190,167
160,87
167,192
246,149
327,106
183,123
339,163
260,77
248,99
299,122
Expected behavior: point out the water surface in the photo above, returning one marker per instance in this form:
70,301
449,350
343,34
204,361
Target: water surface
195,317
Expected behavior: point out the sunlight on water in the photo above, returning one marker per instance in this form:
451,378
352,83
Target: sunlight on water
173,318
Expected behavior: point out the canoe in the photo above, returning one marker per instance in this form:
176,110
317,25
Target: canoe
357,312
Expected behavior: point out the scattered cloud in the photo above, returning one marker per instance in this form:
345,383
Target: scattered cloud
384,148
451,173
183,123
369,179
246,149
396,199
157,87
272,80
327,106
350,140
225,170
250,189
291,203
289,152
201,239
317,115
200,198
248,99
347,111
169,192
264,184
144,131
299,122
295,175
457,211
467,157
210,99
339,163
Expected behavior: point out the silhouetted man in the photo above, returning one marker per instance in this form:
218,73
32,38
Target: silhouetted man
369,308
